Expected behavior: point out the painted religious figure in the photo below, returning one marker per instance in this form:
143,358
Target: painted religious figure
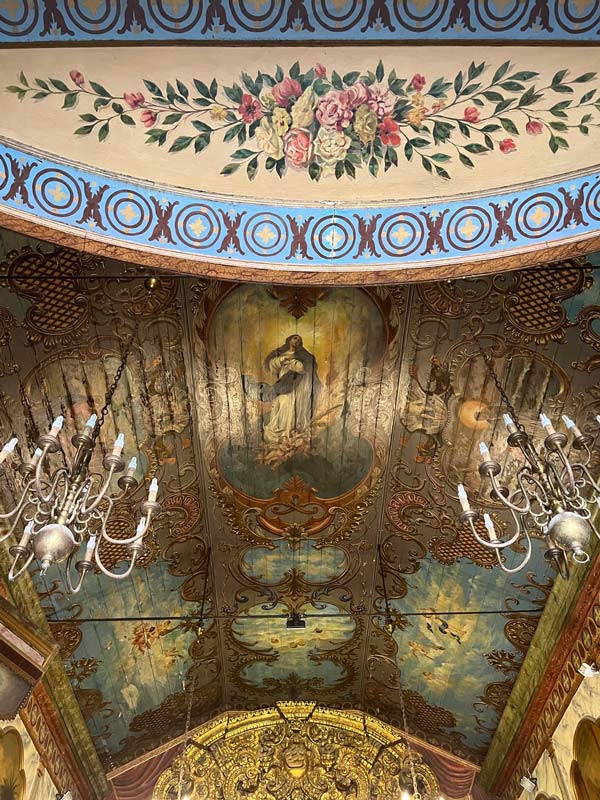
293,397
297,395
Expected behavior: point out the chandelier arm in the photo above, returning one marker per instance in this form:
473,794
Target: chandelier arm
505,500
39,489
137,538
556,478
12,575
70,587
512,570
108,572
567,465
102,493
22,501
588,475
494,545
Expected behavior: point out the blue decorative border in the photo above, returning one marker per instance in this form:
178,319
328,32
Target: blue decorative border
298,20
311,238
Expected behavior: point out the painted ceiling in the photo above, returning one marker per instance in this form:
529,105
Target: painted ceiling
296,159
314,507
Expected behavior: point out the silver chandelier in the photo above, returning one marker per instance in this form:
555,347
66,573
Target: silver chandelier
554,496
64,513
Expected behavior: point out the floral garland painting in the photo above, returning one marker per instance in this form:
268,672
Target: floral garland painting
332,124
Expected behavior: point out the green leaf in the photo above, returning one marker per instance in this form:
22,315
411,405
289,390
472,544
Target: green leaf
584,129
267,80
249,83
489,142
62,87
23,79
158,135
295,70
465,160
180,143
559,126
559,143
84,130
379,72
426,164
15,89
278,74
42,84
524,76
280,167
126,119
98,88
350,78
153,88
559,76
39,95
201,101
442,131
558,109
586,118
442,172
509,126
439,88
587,76
490,128
475,148
501,72
493,97
201,142
88,117
171,119
397,87
241,137
202,127
252,128
458,84
214,87
512,86
202,88
464,129
103,132
314,170
336,81
563,88
408,151
117,108
393,155
270,163
374,165
471,88
229,169
475,70
419,142
321,87
503,106
99,103
233,132
252,168
242,154
349,167
587,96
182,89
441,158
234,93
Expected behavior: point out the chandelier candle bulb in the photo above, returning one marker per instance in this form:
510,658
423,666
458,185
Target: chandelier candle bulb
140,530
485,453
37,454
547,424
489,525
8,449
90,547
571,426
131,467
91,423
510,423
153,491
27,531
462,496
57,425
119,445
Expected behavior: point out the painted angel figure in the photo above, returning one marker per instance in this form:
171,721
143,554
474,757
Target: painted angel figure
294,393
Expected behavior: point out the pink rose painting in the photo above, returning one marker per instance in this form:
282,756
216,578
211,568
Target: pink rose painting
333,125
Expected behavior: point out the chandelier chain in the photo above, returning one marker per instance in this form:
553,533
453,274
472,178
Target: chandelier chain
113,387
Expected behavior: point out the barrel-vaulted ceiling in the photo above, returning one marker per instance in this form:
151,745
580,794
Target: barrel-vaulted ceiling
380,140
318,519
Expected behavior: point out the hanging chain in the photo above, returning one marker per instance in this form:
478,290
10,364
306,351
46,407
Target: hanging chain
488,360
113,387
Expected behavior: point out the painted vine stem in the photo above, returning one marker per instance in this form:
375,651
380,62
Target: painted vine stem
332,124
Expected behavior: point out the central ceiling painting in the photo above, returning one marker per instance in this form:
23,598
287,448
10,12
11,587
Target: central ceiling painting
308,442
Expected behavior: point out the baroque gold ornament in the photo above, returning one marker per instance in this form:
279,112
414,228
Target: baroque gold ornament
295,751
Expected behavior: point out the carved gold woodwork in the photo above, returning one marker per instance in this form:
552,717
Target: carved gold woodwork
295,751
